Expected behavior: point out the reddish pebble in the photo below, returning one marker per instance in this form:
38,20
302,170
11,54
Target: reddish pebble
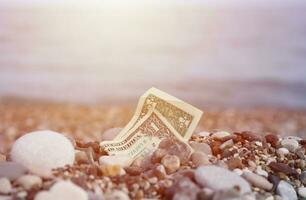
215,147
281,167
234,163
250,136
272,139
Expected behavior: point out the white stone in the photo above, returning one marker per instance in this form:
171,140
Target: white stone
286,191
282,151
123,161
111,133
28,181
5,197
61,191
203,134
302,192
42,151
290,144
270,198
261,172
293,137
238,171
117,195
257,181
5,186
218,179
258,143
220,134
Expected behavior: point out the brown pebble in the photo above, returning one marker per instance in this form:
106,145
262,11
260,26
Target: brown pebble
234,163
111,170
133,170
272,139
281,167
215,147
230,137
2,157
171,163
250,136
199,158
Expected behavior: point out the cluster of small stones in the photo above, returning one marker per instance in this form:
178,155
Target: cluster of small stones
242,165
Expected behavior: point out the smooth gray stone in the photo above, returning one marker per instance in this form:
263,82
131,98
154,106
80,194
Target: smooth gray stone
286,191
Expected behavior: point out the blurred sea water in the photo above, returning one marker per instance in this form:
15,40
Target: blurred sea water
225,54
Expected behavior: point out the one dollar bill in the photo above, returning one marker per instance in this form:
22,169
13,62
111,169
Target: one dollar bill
180,115
144,137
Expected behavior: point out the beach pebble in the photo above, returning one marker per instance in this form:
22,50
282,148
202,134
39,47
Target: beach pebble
220,134
302,192
184,188
203,134
117,195
203,147
272,139
250,136
199,158
42,151
11,170
2,157
227,144
274,180
3,197
112,170
123,161
176,147
257,181
303,177
28,181
218,178
238,171
282,167
111,133
261,172
171,163
293,138
81,157
5,186
282,151
234,162
290,144
286,191
63,190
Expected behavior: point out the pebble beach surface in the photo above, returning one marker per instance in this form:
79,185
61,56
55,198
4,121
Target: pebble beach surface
226,165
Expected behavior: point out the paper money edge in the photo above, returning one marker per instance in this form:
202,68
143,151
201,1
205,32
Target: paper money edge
195,112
